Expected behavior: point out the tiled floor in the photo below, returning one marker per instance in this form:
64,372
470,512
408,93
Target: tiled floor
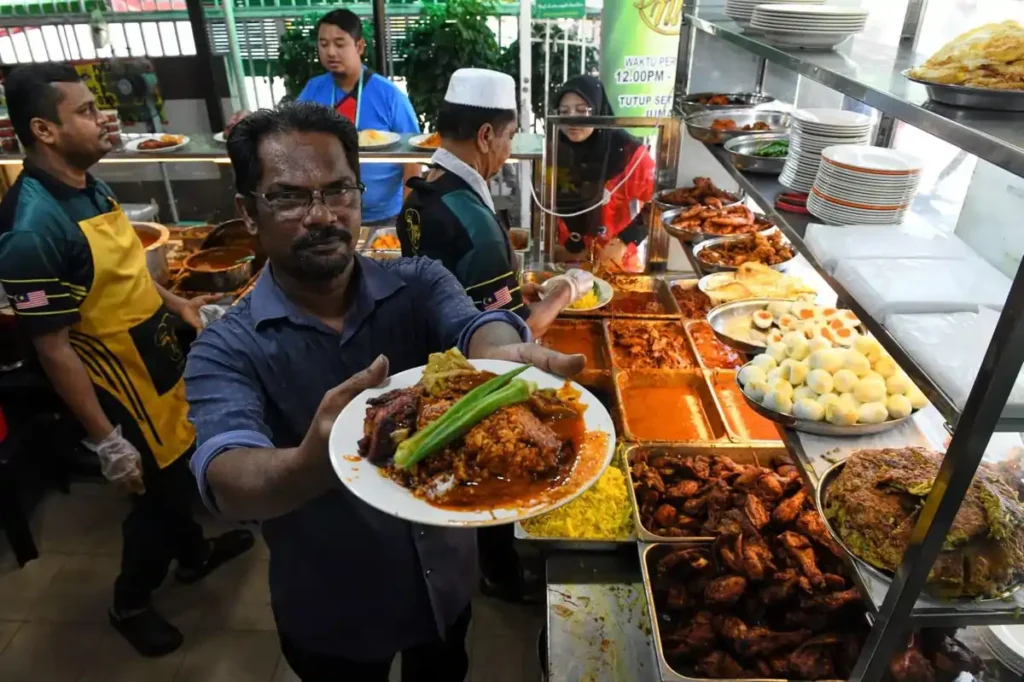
53,624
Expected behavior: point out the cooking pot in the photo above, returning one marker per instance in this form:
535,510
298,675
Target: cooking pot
154,240
221,269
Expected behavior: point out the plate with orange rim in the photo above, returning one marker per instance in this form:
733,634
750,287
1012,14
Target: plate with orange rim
428,141
586,450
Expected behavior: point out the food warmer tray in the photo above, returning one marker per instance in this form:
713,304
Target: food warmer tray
711,422
742,455
693,237
687,325
690,104
708,243
881,575
821,428
729,375
661,205
668,673
675,322
573,545
684,283
971,97
627,284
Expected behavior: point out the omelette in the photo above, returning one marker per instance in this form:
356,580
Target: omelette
989,56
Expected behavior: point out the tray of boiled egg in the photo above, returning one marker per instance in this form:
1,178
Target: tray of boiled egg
818,385
750,325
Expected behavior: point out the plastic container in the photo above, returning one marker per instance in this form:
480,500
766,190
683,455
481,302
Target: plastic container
832,244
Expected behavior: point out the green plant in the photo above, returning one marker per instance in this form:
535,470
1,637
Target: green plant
541,100
297,59
446,37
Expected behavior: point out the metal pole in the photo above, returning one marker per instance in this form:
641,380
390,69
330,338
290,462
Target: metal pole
684,60
547,60
526,214
912,21
979,418
379,38
565,55
236,54
208,86
762,65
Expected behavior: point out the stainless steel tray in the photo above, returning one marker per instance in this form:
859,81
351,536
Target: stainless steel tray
699,125
691,236
690,104
722,314
709,268
820,428
722,376
743,454
628,284
689,283
688,328
974,98
568,545
708,417
741,154
661,205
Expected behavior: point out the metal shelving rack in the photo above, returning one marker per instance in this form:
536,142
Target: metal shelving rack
872,73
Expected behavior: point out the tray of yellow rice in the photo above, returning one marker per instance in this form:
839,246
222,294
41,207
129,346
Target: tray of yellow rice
600,519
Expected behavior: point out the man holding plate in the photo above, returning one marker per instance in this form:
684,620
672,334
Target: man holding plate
350,585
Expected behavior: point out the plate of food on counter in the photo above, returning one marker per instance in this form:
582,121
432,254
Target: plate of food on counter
150,144
703,192
729,253
600,295
872,500
377,139
697,223
817,386
463,444
754,280
429,141
750,325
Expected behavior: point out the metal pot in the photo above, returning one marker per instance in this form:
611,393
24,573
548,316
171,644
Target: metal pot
192,238
222,269
154,240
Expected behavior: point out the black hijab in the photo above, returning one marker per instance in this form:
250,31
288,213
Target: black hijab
584,168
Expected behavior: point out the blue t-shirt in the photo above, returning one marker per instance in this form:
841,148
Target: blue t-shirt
384,107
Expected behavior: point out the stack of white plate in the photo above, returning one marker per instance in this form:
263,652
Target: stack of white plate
1007,644
811,130
742,10
858,185
808,26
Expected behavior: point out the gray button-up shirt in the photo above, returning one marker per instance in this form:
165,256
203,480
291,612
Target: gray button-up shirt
345,579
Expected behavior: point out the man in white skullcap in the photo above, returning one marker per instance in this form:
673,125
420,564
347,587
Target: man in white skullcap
449,216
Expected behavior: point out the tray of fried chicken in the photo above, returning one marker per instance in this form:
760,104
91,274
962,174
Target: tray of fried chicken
697,223
703,193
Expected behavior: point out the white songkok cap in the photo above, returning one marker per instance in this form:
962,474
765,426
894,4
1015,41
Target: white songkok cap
482,88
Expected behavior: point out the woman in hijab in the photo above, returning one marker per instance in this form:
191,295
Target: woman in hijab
607,171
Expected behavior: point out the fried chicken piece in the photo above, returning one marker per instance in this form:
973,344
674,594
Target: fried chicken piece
677,598
697,638
810,523
799,549
693,558
724,467
683,489
799,619
771,487
834,582
757,558
781,588
831,601
789,508
948,654
759,641
719,664
748,477
787,471
730,627
647,476
724,523
665,516
729,550
719,497
779,665
726,589
698,467
695,506
755,511
812,659
911,665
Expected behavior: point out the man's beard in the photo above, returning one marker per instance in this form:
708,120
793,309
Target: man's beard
304,264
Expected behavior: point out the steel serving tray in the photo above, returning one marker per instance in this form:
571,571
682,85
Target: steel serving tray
971,97
741,454
691,339
690,104
821,428
730,414
699,125
709,268
741,153
566,336
675,323
721,315
630,284
668,673
661,204
685,283
691,236
694,401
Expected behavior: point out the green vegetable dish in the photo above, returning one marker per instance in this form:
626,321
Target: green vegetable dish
774,150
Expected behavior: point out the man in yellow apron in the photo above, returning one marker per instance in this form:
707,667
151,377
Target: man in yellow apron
103,331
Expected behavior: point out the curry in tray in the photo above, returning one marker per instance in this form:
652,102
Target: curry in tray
467,439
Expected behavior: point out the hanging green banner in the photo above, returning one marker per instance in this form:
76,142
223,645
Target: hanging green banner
639,46
560,9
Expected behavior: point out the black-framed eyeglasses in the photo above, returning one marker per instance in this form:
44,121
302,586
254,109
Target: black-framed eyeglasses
296,202
581,110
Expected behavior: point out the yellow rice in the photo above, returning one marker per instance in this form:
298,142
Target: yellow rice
601,513
588,301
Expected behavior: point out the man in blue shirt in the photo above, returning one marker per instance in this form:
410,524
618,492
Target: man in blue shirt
367,99
350,586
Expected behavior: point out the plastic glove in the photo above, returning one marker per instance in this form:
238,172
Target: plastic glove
580,282
120,461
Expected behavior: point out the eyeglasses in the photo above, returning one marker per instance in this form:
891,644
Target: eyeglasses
295,203
574,111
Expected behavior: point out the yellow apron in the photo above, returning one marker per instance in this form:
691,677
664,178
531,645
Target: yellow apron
126,338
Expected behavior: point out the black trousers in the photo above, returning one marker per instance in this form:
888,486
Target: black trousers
159,529
499,562
437,661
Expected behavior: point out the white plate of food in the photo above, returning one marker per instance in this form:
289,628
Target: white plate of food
558,456
430,141
600,295
377,139
156,143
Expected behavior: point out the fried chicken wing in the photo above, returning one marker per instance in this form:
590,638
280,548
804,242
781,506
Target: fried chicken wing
665,516
677,598
698,467
726,589
759,641
720,664
756,512
800,550
757,558
911,665
693,558
696,638
810,523
770,487
831,601
813,659
729,550
683,489
789,508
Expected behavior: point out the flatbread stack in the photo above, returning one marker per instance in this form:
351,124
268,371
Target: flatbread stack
754,280
990,56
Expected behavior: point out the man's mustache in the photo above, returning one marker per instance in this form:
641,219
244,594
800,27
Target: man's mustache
321,237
